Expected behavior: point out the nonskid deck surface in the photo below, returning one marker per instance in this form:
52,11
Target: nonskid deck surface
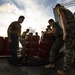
7,69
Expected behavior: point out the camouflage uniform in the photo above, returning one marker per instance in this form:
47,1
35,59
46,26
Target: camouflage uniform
54,51
69,45
70,39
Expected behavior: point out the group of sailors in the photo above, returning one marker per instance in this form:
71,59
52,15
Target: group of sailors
65,35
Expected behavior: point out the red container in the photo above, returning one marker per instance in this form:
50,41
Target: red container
32,46
7,48
1,46
44,49
45,45
43,54
32,52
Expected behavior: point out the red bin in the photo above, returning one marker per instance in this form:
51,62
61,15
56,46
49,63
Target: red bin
1,46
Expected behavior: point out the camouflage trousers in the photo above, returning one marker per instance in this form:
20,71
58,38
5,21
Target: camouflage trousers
69,51
54,51
70,45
